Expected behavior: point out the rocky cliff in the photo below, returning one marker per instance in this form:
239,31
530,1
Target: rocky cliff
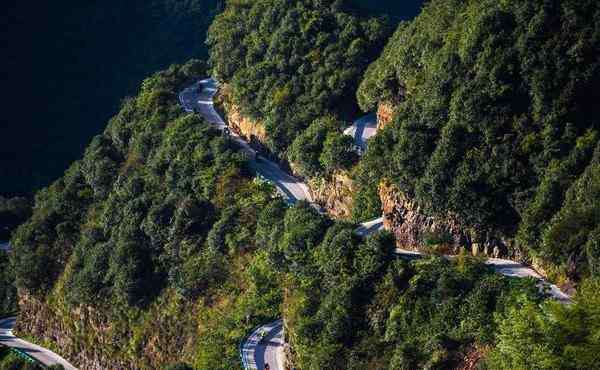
334,193
251,130
91,340
415,230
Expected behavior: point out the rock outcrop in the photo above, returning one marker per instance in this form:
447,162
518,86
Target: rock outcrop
334,194
414,230
38,319
251,130
92,340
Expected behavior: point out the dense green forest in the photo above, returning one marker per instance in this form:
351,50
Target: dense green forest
163,233
291,63
497,122
160,248
70,63
154,226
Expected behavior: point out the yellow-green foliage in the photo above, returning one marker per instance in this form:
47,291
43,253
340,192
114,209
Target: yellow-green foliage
551,335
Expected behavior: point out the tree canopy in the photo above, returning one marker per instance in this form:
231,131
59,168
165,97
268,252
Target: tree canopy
496,121
290,63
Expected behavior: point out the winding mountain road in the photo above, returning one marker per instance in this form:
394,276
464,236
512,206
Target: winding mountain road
265,344
199,98
41,354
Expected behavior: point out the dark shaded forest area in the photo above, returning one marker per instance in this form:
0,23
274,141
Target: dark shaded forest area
69,64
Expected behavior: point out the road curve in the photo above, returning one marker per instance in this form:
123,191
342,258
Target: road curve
41,354
501,266
199,98
370,227
264,346
255,351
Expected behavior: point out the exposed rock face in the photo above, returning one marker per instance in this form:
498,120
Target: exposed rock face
415,230
334,194
385,114
412,227
251,130
471,358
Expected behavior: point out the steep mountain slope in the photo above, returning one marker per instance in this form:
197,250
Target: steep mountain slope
495,127
161,245
142,254
291,63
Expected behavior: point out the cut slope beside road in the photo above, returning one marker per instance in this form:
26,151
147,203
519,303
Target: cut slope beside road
198,98
43,355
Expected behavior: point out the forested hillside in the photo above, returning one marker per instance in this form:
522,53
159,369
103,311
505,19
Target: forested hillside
496,123
289,64
161,246
150,236
72,62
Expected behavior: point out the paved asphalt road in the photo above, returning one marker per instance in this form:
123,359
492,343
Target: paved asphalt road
515,269
198,97
264,346
257,350
4,246
41,354
362,129
502,266
370,227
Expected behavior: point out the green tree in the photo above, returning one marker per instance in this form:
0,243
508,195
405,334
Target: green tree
493,120
338,152
289,64
551,335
